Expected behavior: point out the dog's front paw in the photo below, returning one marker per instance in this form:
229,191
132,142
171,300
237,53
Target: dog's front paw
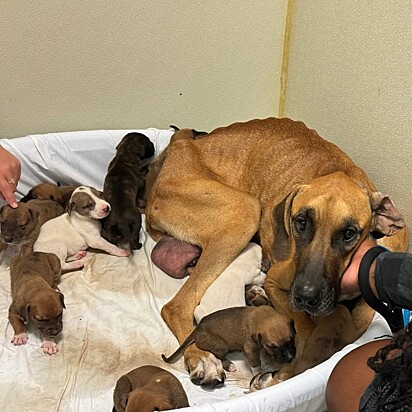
20,339
49,347
204,368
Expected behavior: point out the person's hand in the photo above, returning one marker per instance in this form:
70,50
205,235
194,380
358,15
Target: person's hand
349,282
10,169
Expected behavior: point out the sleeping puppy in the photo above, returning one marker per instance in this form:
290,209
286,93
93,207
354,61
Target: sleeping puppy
69,235
50,191
147,389
123,188
34,277
248,329
22,225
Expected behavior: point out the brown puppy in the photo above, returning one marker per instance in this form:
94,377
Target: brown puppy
147,389
50,191
22,225
308,204
34,277
123,187
243,328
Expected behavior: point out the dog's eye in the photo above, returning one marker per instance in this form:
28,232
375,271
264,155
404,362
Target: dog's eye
349,234
22,226
300,224
41,320
88,206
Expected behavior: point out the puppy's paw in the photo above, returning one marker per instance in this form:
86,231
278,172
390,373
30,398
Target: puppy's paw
255,295
49,347
122,253
229,366
20,339
77,264
79,255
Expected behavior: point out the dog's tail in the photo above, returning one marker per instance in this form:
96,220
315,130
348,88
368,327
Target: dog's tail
179,352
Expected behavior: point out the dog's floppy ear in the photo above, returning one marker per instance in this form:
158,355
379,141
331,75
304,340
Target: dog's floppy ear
124,386
281,220
34,214
386,218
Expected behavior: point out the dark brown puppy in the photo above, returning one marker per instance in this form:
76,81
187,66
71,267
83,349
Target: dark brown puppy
123,187
148,389
34,277
22,225
246,329
50,191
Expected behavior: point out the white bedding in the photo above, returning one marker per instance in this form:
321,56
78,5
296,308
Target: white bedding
112,323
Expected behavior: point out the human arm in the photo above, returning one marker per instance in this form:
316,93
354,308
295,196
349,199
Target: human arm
390,276
10,170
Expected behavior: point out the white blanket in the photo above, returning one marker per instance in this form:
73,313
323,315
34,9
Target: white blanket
112,323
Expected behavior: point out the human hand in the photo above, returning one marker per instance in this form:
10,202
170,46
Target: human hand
10,169
349,283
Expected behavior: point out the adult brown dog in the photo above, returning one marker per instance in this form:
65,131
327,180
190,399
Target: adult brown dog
147,389
50,191
248,329
124,187
306,201
34,278
22,225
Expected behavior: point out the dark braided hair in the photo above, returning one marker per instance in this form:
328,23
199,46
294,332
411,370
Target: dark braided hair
391,388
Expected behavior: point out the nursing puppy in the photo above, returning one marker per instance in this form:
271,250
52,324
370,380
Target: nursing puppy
148,389
22,225
69,235
123,188
50,191
34,277
246,329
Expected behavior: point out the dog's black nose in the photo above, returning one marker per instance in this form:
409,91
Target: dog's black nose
307,295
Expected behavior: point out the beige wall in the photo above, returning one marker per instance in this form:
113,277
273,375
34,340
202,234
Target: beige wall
350,78
77,65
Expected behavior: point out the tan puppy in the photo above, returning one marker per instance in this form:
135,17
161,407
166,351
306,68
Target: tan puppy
50,191
243,328
34,277
147,389
306,202
22,225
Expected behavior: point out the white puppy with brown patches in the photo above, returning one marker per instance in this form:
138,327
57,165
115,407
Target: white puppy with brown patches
69,235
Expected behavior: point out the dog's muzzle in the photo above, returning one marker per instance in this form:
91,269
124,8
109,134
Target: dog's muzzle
313,296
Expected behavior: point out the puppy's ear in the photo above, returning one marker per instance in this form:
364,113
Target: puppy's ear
61,296
281,220
34,214
386,219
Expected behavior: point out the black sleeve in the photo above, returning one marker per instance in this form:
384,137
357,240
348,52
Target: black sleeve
393,279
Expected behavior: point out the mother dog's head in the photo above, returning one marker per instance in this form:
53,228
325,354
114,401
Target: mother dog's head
319,226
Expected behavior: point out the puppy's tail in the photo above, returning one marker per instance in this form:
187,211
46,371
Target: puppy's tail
179,352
